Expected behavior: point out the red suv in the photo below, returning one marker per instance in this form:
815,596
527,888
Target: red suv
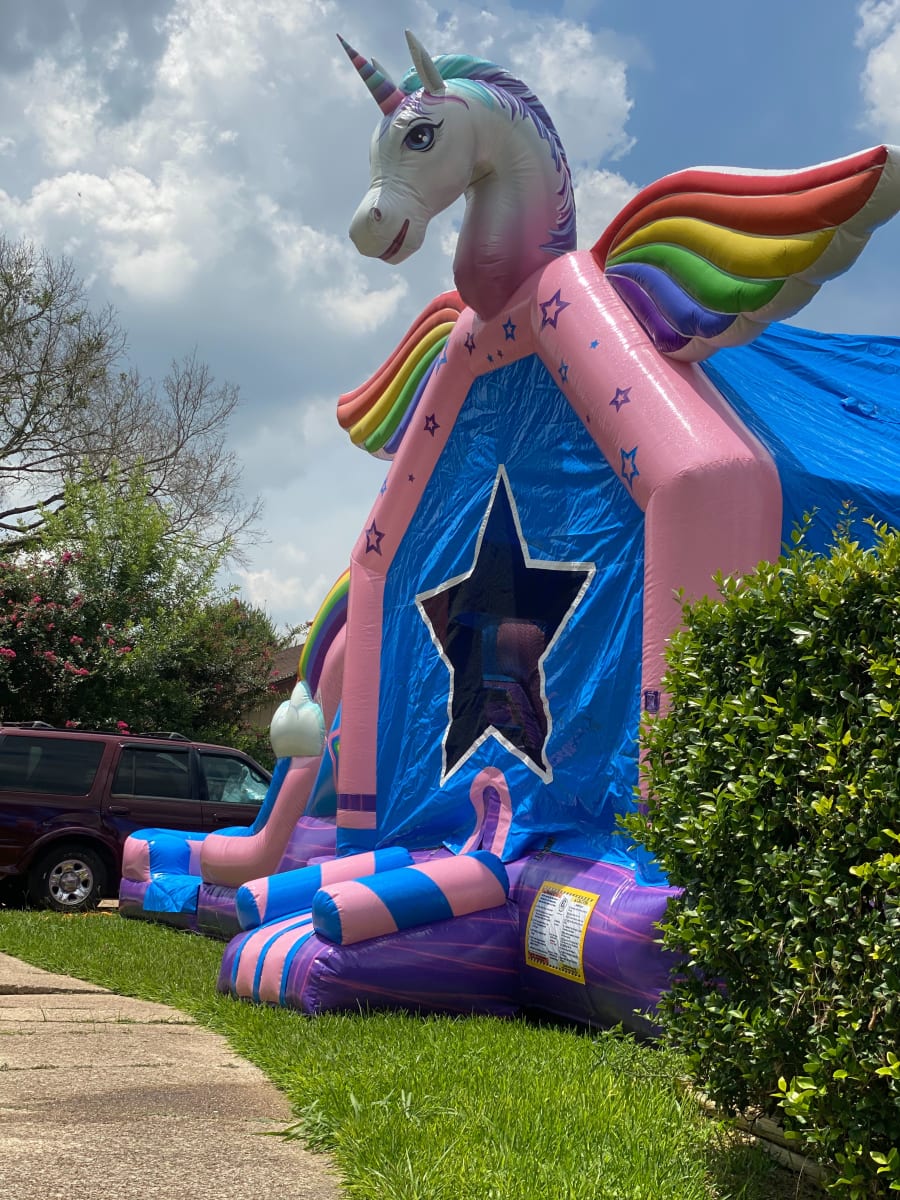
69,799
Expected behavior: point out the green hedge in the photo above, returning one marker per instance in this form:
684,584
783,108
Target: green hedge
774,801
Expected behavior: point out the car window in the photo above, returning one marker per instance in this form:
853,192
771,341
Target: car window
144,771
232,781
64,766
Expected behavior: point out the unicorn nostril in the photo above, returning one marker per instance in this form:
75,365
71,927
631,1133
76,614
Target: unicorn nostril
376,214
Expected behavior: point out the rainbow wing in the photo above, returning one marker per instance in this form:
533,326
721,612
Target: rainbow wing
377,414
327,624
708,257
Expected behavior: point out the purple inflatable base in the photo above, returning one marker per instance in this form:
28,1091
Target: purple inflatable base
623,965
577,939
131,905
217,911
464,966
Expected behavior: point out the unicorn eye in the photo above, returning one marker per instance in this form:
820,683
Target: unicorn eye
420,137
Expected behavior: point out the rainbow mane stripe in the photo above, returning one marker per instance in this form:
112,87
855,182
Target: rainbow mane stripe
376,415
707,257
494,85
328,622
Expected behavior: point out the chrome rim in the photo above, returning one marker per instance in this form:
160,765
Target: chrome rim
70,882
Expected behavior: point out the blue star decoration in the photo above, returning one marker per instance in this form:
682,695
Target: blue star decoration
629,466
557,304
622,396
383,487
374,538
442,361
431,424
509,329
493,628
594,344
564,371
469,343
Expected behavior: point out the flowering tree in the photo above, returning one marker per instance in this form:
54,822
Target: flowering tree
52,641
113,618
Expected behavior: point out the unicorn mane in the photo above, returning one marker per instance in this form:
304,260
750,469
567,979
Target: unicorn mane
489,83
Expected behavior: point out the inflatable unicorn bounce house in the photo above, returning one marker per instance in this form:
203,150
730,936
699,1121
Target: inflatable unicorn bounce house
441,832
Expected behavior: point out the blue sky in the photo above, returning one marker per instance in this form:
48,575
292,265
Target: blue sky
200,160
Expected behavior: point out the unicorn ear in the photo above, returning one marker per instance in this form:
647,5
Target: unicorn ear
425,68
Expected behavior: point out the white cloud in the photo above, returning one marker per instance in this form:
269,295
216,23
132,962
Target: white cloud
63,112
269,589
568,68
599,196
212,208
879,36
876,19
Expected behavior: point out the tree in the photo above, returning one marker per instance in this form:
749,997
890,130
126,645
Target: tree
115,617
70,408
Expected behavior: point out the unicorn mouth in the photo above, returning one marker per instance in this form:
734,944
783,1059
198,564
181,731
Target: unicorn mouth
394,247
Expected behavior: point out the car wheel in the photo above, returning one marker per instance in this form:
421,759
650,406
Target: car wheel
67,879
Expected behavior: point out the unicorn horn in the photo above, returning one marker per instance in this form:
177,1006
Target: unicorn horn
425,68
387,95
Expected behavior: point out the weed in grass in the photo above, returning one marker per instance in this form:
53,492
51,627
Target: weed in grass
434,1108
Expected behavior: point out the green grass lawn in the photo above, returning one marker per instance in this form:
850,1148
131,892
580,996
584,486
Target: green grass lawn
435,1108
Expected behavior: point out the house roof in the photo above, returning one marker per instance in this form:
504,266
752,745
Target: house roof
285,663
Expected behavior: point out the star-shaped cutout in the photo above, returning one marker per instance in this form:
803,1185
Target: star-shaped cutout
494,627
557,304
564,371
431,424
374,538
469,343
629,466
622,396
509,329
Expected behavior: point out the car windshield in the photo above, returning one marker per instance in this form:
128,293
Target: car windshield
232,781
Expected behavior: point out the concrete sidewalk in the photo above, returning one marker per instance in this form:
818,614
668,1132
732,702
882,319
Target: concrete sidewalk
108,1098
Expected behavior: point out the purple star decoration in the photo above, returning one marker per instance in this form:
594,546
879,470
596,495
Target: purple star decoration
629,466
557,304
431,424
374,538
622,396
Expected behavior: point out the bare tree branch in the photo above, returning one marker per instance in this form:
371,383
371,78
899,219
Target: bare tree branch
69,404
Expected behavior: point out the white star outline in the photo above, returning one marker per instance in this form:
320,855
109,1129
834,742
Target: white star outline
590,570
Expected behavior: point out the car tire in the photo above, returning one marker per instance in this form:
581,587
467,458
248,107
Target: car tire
67,879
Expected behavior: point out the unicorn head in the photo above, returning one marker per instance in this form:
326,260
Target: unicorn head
463,126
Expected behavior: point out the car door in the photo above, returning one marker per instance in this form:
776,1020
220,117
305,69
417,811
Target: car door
234,789
154,787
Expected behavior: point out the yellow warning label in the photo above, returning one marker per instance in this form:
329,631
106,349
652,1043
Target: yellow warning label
557,924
